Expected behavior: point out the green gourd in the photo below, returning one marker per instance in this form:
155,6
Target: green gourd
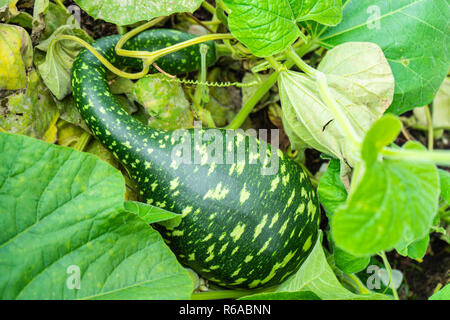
239,228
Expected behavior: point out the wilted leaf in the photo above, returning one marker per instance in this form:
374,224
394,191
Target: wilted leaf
55,70
360,80
31,111
164,103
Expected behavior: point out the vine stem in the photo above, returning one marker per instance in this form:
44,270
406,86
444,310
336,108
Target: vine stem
264,88
438,157
132,33
290,52
382,254
104,61
150,57
210,8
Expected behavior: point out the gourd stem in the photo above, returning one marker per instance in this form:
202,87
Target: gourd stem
274,63
438,157
105,62
290,52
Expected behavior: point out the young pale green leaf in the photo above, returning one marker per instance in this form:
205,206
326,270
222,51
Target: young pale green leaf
331,190
269,27
316,275
66,235
149,213
16,56
381,134
132,11
414,37
55,70
361,82
393,203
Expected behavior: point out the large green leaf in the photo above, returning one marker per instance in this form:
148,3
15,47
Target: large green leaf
392,203
62,218
131,11
414,35
269,27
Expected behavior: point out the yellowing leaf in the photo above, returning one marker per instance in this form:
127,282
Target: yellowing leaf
16,55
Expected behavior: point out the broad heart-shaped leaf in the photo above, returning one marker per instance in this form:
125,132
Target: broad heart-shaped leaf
63,227
361,82
414,36
392,203
131,11
270,26
316,275
332,194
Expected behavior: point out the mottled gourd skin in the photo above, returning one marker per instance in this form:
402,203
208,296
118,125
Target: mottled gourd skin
239,228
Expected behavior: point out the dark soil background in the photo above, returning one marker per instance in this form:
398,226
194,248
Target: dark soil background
420,278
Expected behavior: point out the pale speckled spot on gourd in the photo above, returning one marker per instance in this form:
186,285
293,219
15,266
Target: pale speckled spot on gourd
223,248
237,232
244,195
259,227
264,247
274,183
274,220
